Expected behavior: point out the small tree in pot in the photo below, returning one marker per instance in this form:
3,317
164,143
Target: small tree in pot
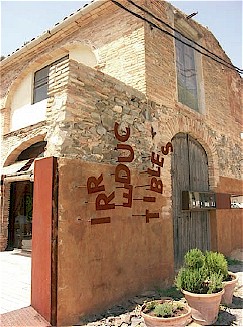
201,286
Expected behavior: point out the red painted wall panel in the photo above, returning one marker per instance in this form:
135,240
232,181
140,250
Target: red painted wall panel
41,237
101,264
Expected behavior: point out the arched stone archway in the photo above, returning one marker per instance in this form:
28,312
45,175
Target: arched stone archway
15,152
200,132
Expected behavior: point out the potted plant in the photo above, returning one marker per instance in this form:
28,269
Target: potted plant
229,286
201,287
216,262
166,312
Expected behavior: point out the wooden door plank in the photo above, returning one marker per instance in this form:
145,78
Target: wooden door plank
189,168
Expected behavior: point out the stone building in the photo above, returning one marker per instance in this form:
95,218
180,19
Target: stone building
125,138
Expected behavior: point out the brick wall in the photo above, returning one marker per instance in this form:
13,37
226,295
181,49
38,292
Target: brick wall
220,122
160,56
15,142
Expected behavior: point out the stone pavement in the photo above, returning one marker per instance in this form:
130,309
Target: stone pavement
25,317
15,288
15,280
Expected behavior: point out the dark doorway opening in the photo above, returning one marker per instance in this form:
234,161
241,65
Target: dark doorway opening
20,216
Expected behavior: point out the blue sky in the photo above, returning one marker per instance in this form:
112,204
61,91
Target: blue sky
23,20
224,20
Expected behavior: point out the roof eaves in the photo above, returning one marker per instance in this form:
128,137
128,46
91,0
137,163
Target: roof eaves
58,26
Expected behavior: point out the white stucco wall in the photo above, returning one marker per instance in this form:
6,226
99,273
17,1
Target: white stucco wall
23,113
28,115
83,54
23,93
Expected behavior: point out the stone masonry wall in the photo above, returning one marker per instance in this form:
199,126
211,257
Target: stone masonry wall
83,122
96,101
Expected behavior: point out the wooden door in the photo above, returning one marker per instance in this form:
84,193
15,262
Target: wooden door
189,173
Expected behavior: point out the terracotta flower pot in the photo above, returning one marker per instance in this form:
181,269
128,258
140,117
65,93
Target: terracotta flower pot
205,307
179,321
229,287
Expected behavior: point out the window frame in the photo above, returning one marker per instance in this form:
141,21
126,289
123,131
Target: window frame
183,27
44,82
186,68
40,83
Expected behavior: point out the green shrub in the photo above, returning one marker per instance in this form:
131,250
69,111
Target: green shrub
215,283
194,259
191,280
232,261
171,292
163,310
201,273
216,262
150,305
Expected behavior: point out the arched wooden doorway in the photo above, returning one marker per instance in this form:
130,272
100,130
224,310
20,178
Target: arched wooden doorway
189,169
